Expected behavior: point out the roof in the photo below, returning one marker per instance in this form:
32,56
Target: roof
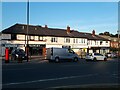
42,31
109,37
89,36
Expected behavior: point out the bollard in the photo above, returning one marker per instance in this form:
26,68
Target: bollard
6,55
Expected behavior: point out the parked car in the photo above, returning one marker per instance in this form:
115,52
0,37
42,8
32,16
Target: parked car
59,54
114,55
108,55
18,53
111,55
95,57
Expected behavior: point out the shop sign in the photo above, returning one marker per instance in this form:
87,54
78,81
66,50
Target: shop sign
11,45
36,45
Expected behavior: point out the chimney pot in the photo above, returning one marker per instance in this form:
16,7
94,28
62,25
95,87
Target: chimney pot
68,29
46,26
93,32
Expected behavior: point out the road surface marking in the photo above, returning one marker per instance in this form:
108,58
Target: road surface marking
86,85
52,79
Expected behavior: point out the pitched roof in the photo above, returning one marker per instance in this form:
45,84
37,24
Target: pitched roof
42,31
38,30
89,36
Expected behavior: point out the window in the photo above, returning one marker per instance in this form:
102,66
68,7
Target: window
100,42
74,40
67,40
40,38
54,39
32,37
13,36
84,40
88,43
96,42
81,40
91,42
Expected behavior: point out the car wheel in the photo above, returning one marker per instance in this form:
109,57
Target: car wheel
95,59
75,59
105,59
57,59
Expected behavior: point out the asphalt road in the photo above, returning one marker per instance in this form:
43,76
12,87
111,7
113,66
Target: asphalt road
47,75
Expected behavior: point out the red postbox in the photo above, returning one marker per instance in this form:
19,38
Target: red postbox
6,55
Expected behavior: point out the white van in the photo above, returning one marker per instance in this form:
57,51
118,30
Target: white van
58,54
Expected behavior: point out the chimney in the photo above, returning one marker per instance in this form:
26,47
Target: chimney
46,26
93,32
68,29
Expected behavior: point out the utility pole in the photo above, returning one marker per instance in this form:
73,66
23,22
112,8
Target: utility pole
27,43
118,43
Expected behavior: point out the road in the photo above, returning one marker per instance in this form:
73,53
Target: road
61,75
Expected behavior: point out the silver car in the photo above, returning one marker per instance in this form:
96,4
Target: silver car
95,57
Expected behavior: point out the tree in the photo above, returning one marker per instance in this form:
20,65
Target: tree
101,34
107,33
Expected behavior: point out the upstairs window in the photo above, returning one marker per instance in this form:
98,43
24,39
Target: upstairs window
101,42
81,40
74,40
32,37
106,41
54,39
67,40
13,37
88,43
40,38
84,40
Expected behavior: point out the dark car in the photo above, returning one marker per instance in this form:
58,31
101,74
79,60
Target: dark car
18,54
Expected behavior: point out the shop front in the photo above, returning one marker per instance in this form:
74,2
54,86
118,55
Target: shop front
101,50
36,49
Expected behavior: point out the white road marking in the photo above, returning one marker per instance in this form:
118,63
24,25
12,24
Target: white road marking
52,79
86,85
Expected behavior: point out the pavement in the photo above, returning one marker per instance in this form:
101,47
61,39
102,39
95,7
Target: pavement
32,59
